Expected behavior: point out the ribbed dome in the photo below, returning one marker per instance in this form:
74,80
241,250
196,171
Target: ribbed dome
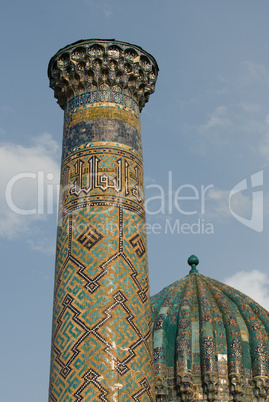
211,342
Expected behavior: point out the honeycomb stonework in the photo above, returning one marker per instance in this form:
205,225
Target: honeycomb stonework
103,65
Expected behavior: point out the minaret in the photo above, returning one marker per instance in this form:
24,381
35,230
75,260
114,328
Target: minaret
101,339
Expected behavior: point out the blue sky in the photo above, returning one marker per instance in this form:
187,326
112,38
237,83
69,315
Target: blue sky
205,131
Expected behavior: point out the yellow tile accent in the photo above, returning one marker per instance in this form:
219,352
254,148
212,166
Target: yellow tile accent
105,113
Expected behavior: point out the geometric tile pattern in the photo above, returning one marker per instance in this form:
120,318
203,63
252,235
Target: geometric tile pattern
210,342
138,245
104,94
101,343
105,112
89,237
101,123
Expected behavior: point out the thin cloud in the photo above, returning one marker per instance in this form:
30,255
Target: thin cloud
249,107
22,167
218,119
239,121
254,284
251,73
105,8
218,206
6,110
2,131
264,143
212,133
243,126
44,245
108,11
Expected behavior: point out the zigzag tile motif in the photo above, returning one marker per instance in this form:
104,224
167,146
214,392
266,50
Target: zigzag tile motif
101,329
144,393
138,245
89,237
68,321
91,378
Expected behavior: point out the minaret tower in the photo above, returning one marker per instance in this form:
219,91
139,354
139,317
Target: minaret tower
101,339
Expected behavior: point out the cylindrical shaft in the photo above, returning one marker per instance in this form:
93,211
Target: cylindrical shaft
101,340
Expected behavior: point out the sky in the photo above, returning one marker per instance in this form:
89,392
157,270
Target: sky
205,135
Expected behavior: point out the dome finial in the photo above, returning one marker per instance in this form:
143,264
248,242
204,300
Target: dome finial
193,261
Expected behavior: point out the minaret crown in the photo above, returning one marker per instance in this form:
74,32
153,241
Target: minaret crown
106,63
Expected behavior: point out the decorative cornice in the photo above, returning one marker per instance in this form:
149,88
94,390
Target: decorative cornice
97,63
210,385
261,388
185,387
161,389
237,382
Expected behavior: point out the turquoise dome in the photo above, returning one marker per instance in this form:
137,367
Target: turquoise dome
210,342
